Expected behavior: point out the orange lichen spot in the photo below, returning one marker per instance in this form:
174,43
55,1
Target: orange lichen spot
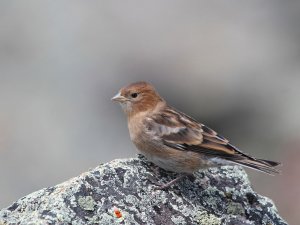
117,212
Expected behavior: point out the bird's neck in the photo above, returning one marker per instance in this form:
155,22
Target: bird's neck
145,109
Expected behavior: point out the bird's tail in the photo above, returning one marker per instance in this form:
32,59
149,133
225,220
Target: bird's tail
262,165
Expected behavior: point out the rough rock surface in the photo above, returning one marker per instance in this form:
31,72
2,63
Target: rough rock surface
122,192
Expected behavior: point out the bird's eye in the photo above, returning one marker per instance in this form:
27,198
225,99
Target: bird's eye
134,95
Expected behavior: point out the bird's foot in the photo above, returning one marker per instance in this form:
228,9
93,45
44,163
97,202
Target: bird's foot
167,185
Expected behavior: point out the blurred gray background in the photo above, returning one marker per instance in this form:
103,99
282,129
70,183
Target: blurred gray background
234,65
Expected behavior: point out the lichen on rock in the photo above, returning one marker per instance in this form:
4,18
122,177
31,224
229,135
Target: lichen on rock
87,203
123,192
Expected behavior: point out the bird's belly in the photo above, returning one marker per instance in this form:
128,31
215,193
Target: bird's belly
173,165
171,159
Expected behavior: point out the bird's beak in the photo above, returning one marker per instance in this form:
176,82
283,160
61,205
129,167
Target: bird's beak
118,98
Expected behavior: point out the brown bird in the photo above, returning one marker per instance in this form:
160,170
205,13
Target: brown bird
174,141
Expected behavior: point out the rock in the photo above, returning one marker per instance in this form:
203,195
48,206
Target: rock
122,192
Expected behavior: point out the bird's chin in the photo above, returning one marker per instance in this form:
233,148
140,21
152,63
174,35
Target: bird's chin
126,106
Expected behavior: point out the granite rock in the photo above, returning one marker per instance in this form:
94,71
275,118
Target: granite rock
123,192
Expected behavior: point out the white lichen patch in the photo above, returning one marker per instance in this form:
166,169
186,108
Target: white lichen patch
131,199
235,209
205,218
178,220
87,203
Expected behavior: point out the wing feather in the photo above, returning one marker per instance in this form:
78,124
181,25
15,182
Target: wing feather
179,131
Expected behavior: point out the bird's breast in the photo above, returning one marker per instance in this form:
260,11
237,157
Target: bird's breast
163,156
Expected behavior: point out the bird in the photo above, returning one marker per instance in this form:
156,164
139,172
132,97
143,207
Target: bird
175,141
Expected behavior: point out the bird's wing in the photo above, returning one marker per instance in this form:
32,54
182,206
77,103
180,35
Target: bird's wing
182,132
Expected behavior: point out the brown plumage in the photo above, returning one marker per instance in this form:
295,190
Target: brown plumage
175,141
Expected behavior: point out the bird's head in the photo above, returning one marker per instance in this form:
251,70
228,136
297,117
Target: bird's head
137,97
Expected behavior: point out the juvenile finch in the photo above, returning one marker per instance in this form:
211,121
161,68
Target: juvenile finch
174,141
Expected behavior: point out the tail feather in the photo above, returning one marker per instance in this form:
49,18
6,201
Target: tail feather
269,162
262,165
